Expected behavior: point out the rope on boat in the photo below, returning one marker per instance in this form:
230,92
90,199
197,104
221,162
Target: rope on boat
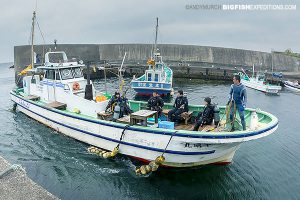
227,114
154,164
108,154
8,170
228,109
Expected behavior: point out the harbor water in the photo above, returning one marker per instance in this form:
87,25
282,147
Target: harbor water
268,168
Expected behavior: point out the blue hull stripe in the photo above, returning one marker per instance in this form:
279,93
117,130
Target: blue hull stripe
164,132
122,142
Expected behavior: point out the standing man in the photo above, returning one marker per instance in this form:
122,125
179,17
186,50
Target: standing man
238,98
155,103
180,106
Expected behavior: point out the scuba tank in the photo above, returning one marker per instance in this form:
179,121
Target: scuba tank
116,112
254,120
216,114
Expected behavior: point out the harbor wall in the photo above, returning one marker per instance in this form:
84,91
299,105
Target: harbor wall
185,60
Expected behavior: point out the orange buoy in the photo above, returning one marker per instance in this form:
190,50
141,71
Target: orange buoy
76,86
100,98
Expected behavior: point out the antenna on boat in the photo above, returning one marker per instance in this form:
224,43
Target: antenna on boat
156,30
155,44
121,81
55,44
32,38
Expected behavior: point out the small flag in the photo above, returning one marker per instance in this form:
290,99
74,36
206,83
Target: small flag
24,71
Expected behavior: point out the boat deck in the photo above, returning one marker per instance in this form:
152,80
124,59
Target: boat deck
263,119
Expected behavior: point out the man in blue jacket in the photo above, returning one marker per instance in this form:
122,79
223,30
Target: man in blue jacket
237,96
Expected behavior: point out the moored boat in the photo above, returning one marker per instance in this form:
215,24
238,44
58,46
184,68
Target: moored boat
158,77
293,86
259,83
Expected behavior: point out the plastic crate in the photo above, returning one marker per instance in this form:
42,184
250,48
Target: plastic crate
166,125
152,120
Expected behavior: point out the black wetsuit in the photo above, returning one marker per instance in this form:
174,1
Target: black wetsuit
205,117
112,102
156,104
122,102
125,108
174,114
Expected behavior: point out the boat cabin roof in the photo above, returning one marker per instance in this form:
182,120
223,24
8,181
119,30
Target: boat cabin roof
59,59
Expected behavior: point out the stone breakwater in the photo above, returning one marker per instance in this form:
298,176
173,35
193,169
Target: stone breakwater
188,61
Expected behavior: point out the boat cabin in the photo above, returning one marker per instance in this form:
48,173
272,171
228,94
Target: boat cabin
155,73
60,80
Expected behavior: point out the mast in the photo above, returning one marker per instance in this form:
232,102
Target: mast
272,61
155,44
32,39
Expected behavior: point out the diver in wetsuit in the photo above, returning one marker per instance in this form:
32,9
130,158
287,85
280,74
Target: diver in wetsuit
115,99
206,116
155,103
180,106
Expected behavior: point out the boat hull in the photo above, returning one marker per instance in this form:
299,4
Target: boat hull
145,144
147,88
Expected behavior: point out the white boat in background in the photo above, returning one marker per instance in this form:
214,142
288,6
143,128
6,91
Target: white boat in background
294,86
259,83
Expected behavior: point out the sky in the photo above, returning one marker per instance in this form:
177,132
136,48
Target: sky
133,21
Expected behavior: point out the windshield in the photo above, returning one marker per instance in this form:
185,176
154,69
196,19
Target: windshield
77,72
70,73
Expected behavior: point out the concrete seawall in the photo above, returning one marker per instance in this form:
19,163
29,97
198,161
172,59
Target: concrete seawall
14,184
190,58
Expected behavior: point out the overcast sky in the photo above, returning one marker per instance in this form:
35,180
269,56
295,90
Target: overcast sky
133,21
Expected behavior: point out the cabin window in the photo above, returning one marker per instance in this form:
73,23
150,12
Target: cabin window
57,75
77,72
66,73
156,77
149,77
56,58
50,74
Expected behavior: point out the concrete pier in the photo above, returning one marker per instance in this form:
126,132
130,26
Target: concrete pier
16,185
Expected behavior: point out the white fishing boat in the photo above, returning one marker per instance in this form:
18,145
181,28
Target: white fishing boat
259,83
293,86
59,100
57,95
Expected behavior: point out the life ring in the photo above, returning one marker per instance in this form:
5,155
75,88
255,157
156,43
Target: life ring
76,86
